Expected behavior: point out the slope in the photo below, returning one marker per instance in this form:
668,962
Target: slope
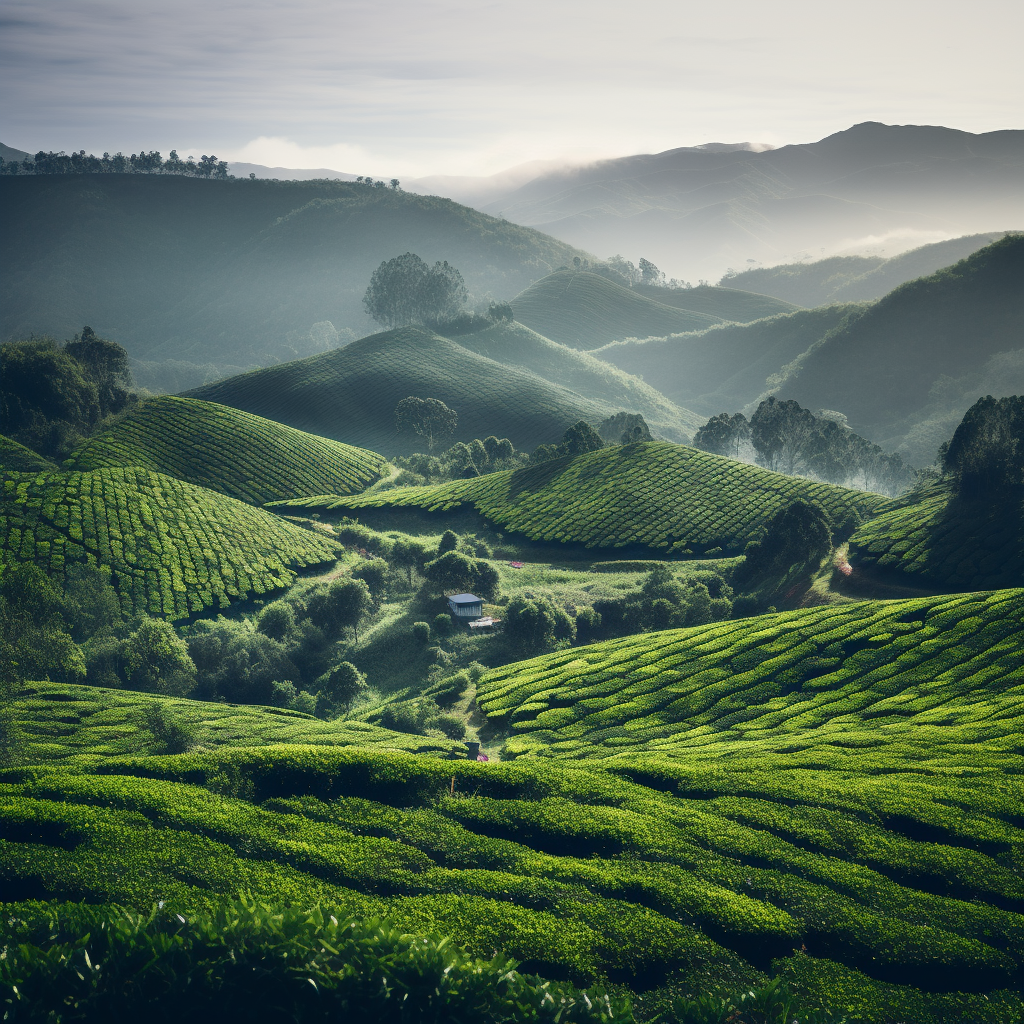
585,310
726,367
224,271
19,459
657,495
515,345
730,304
174,549
236,453
856,278
880,368
943,542
350,393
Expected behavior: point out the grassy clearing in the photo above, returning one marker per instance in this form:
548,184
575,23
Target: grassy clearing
226,450
174,549
664,497
584,310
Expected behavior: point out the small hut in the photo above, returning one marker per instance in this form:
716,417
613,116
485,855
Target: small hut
465,607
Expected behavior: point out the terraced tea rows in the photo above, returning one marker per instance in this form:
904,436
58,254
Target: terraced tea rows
19,459
660,495
584,310
174,549
241,455
63,720
351,393
920,681
946,543
701,866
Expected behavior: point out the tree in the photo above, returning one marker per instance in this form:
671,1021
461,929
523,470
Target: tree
986,452
624,428
778,431
723,435
276,620
533,624
449,542
649,273
451,573
406,290
579,439
157,659
430,418
799,533
374,573
343,684
341,605
408,554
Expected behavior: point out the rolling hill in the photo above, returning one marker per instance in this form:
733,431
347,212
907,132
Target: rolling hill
174,549
696,212
515,345
19,459
892,368
350,393
725,367
856,278
231,272
658,496
730,304
233,452
943,542
585,310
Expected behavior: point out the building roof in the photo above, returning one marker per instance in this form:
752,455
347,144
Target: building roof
465,599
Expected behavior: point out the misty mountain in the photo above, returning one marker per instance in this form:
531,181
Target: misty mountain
13,155
696,212
232,272
855,278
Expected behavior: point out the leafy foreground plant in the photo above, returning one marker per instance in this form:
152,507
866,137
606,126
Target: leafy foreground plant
246,961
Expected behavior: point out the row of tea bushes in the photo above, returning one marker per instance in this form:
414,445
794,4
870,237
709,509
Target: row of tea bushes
945,542
574,870
230,451
174,549
663,496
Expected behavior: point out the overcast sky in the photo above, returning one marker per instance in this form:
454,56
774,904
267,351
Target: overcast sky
413,87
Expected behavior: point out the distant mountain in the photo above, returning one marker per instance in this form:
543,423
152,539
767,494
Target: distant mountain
350,394
241,169
231,272
13,155
585,310
855,278
695,212
728,303
918,355
726,367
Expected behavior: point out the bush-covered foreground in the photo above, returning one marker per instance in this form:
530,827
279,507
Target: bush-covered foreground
660,495
174,549
946,542
885,894
230,451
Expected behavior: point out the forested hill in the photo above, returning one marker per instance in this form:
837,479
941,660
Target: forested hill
232,272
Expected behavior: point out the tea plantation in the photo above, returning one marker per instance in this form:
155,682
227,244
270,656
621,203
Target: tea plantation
945,542
585,310
886,897
174,549
663,496
241,455
19,459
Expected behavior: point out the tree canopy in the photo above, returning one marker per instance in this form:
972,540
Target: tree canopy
407,290
430,418
986,453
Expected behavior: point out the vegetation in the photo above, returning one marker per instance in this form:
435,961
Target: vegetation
658,496
428,418
137,163
233,452
986,454
351,393
174,549
730,304
406,290
585,310
854,278
229,269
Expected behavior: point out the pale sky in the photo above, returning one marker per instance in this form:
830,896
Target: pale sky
416,87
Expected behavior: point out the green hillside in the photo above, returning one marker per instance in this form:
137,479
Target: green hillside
730,304
726,367
896,680
515,345
232,272
61,721
174,549
856,278
944,542
241,455
350,394
662,496
887,369
585,310
19,459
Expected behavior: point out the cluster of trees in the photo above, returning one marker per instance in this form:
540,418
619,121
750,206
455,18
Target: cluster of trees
428,418
800,534
52,395
785,437
578,439
367,179
461,460
138,163
407,290
985,456
624,272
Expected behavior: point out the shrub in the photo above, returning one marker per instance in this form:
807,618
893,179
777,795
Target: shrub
276,620
157,659
443,625
451,725
421,633
172,734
